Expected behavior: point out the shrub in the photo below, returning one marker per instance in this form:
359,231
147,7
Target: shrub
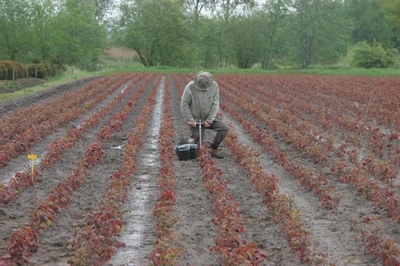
41,69
366,56
36,60
51,68
3,71
22,70
55,59
37,70
11,69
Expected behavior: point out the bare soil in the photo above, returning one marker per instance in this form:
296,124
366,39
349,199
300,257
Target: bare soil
8,86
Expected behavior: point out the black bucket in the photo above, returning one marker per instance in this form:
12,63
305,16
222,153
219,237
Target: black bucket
193,150
186,152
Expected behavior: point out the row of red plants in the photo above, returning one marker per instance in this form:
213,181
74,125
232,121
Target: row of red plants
383,195
96,242
308,177
22,119
385,248
318,150
285,125
355,96
54,152
370,230
47,117
167,248
25,240
229,242
279,205
323,111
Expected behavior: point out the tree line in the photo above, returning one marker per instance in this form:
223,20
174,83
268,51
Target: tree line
202,33
40,30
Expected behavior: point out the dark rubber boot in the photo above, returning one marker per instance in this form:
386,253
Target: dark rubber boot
214,153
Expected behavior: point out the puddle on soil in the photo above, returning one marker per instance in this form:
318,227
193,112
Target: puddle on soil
149,159
144,177
139,232
25,167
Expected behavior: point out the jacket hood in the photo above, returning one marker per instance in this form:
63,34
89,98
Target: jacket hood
203,80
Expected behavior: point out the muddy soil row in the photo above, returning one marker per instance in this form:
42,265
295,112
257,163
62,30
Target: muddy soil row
139,230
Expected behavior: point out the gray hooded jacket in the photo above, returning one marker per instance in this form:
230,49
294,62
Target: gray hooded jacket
200,99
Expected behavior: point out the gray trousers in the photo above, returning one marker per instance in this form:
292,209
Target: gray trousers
218,126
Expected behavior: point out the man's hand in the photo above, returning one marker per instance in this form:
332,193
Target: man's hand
192,124
206,124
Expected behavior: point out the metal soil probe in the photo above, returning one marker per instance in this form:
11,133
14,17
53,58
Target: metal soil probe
200,136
